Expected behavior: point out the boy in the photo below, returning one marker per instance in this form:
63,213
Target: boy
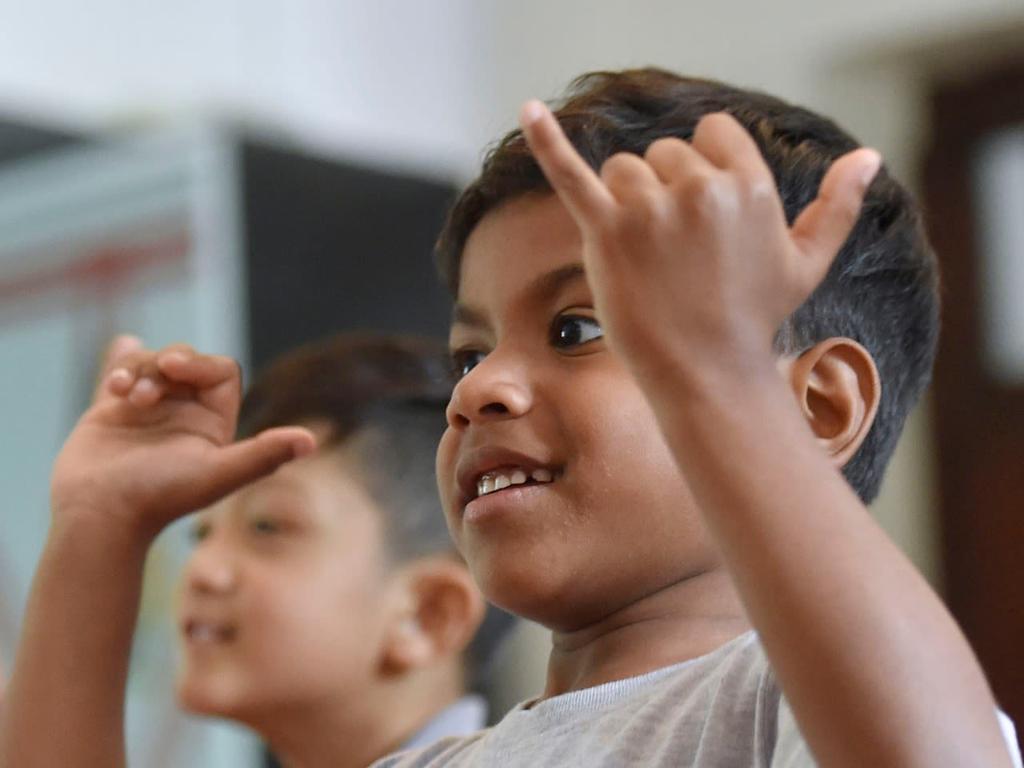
648,486
324,606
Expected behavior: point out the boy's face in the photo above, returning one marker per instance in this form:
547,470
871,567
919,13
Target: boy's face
543,395
282,602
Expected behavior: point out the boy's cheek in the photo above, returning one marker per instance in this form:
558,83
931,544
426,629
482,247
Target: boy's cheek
453,521
445,469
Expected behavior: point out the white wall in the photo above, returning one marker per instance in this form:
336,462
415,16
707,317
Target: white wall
396,78
784,46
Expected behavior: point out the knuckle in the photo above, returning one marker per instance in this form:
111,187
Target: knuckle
667,148
713,122
618,168
761,188
703,192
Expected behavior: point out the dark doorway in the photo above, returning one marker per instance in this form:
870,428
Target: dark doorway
979,413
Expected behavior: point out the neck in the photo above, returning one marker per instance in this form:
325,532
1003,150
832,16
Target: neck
351,734
680,622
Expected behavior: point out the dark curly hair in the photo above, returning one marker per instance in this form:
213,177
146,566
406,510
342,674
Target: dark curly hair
882,289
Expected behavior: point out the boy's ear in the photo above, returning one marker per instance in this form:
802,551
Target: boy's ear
838,390
439,613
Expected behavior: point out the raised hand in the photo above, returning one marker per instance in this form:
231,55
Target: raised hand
158,441
687,249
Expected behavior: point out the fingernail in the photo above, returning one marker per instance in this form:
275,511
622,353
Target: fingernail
120,376
871,168
531,112
142,391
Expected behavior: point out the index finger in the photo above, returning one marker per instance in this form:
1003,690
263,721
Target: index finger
217,378
577,185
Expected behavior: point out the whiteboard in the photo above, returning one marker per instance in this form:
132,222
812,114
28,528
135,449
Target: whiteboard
138,234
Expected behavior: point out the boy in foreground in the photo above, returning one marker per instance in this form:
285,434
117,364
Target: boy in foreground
642,454
324,606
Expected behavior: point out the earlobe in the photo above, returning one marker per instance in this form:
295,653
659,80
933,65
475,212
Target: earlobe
838,389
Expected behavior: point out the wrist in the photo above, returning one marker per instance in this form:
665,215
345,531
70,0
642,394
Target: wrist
684,375
119,534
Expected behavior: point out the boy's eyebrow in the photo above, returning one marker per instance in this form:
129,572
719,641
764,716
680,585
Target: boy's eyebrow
549,284
541,289
273,484
463,314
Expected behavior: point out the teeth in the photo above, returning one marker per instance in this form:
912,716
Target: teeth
208,633
497,481
203,633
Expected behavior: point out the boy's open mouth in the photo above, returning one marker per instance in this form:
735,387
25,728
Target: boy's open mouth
492,469
500,479
208,633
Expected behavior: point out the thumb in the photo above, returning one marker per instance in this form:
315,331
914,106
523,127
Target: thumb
248,460
823,226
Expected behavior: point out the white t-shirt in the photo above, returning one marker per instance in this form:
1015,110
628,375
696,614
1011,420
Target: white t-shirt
720,710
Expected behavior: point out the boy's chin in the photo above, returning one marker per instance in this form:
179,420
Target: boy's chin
196,701
560,599
200,695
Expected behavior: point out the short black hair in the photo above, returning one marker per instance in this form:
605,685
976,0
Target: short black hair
882,289
385,397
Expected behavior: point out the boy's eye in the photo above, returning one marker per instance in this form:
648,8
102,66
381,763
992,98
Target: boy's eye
198,531
574,330
264,526
464,361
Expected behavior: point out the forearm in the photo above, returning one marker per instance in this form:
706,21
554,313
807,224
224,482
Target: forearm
65,701
876,670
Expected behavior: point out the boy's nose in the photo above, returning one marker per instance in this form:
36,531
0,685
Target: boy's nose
211,570
488,392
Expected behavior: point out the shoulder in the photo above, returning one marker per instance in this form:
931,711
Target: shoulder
444,752
737,672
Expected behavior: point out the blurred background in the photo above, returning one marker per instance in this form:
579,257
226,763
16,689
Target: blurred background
248,175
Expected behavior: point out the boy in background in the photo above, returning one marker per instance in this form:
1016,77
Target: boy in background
324,606
664,368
